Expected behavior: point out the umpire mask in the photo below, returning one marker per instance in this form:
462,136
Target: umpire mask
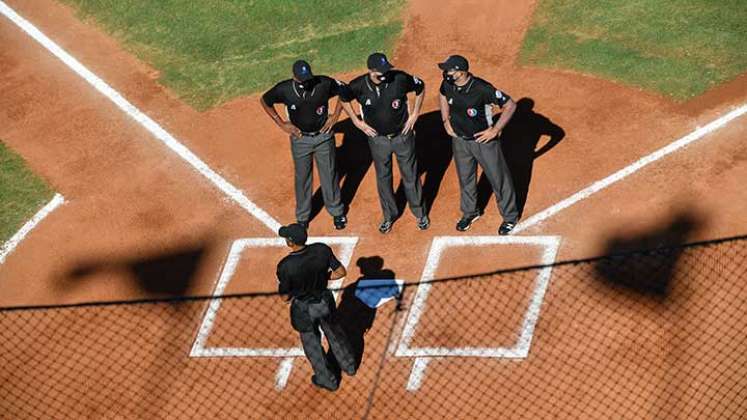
386,77
309,84
448,78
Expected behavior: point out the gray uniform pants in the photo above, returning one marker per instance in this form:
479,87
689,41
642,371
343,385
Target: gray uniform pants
467,154
322,149
309,315
403,146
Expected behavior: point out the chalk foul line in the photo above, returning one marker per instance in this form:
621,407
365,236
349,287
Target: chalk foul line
9,246
146,122
632,168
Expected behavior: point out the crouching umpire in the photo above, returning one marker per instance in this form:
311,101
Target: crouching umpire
302,277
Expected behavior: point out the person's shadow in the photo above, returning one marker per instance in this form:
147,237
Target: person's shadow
519,142
647,262
433,153
353,158
355,317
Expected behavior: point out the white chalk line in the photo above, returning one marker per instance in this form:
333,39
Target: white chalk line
417,373
238,196
10,245
520,349
199,348
284,371
151,126
632,168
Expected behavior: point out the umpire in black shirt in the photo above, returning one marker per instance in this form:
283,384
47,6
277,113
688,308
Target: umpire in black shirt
302,277
386,120
467,104
306,99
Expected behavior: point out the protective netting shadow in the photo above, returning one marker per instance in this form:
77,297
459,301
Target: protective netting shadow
647,334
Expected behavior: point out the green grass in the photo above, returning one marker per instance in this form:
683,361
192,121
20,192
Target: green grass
21,193
209,52
677,47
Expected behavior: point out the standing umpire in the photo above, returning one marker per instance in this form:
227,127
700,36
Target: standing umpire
467,104
302,277
386,120
306,98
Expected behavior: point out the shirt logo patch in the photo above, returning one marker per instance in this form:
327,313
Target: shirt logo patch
417,81
320,110
368,101
293,106
451,101
396,103
472,112
498,94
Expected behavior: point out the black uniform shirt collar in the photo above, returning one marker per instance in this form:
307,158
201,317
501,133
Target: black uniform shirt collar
300,251
372,88
299,94
467,86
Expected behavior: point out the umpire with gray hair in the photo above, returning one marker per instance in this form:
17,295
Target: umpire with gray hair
302,278
467,106
386,120
306,98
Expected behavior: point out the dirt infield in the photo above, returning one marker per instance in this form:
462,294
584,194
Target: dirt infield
134,207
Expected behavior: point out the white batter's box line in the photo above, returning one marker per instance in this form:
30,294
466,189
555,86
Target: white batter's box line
141,118
10,245
199,348
520,349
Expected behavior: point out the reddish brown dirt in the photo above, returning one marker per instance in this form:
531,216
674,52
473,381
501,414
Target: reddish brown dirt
130,200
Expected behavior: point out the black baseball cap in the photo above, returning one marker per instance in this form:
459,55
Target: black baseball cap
379,62
295,232
302,71
454,62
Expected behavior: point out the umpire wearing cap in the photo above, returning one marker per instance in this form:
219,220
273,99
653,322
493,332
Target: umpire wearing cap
467,104
306,99
385,119
302,277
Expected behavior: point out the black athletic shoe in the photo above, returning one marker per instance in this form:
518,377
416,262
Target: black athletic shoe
506,228
340,222
303,223
466,222
328,387
350,371
386,226
424,223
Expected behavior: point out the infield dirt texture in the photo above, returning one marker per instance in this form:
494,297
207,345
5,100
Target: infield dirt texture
130,198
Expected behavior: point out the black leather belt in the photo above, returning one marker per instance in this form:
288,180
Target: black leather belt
310,134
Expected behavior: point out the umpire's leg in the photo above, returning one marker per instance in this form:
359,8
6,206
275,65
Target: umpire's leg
301,149
338,341
312,348
404,148
466,166
324,155
381,152
494,166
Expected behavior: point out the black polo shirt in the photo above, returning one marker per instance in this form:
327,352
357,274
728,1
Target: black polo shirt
384,105
307,108
306,272
470,109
